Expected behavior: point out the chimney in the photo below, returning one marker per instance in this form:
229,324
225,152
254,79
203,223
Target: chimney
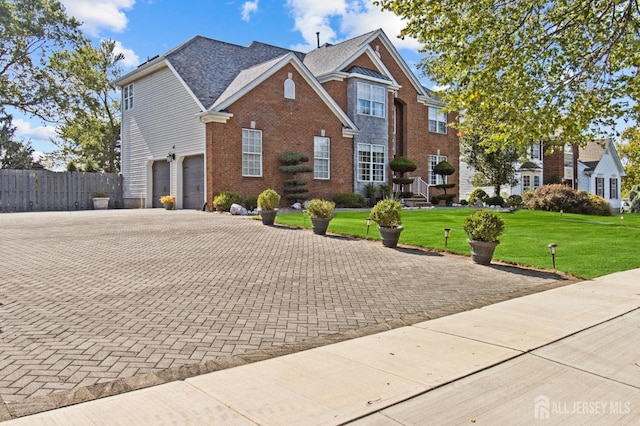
318,38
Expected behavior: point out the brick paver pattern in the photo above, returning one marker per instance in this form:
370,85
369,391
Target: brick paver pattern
90,297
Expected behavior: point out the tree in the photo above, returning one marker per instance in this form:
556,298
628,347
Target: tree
444,169
13,154
530,70
492,167
90,130
30,31
630,154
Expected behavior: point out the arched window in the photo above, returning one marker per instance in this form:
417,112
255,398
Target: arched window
289,88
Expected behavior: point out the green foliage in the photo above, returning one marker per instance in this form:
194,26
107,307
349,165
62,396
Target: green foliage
483,225
598,206
385,191
630,155
71,167
562,198
386,213
251,203
295,168
370,190
292,158
529,70
13,154
349,200
634,192
320,208
477,194
222,202
492,167
268,199
402,165
514,200
403,181
444,168
99,193
91,125
635,205
495,201
30,31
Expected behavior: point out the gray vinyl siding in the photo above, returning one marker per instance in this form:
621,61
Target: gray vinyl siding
163,116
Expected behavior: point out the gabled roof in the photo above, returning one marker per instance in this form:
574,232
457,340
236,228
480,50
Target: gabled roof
591,155
331,57
529,165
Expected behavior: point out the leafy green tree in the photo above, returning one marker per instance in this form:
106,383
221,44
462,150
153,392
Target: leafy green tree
630,154
30,32
90,131
526,70
13,154
493,167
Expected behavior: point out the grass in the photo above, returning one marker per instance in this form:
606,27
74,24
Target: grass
588,246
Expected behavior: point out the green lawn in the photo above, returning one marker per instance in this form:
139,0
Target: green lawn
588,246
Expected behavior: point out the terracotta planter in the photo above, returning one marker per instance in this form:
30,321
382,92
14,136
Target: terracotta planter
482,251
268,216
390,236
320,224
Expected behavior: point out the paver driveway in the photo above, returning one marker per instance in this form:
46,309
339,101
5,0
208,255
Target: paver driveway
99,302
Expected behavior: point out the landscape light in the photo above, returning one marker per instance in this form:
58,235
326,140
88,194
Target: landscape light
552,250
446,237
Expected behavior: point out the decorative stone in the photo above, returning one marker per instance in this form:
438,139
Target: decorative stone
237,209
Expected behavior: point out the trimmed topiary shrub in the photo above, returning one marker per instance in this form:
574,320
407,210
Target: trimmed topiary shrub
483,225
495,201
268,199
515,200
349,200
222,202
386,213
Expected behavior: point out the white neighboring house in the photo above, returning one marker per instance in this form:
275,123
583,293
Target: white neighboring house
600,171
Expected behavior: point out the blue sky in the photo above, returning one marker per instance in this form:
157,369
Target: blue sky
145,28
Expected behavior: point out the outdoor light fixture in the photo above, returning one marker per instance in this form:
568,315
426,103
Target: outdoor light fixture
621,219
552,250
171,156
446,237
561,211
368,224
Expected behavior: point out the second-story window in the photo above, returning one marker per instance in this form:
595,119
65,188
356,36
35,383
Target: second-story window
127,97
371,100
437,121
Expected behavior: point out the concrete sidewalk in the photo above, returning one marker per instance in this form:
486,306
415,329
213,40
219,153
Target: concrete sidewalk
569,355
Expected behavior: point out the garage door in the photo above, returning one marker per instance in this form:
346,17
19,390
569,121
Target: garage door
161,181
193,182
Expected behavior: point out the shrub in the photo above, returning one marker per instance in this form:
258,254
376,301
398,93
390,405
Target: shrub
599,206
515,200
385,191
320,208
477,194
222,202
495,201
349,200
402,165
483,225
168,199
560,197
268,199
386,213
251,203
464,203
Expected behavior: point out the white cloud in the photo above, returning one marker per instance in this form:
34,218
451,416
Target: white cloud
24,129
130,58
97,15
248,8
350,17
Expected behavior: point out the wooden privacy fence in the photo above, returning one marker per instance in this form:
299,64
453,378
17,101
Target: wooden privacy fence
44,190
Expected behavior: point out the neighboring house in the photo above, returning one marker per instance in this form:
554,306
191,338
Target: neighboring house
596,169
210,116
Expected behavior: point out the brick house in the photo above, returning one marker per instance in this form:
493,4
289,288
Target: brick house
210,116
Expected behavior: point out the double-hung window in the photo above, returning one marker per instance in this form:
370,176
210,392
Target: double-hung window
370,162
613,188
321,157
435,179
600,186
251,153
526,183
437,121
371,100
127,97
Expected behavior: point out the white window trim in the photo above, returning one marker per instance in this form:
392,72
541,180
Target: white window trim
437,121
127,97
359,88
317,160
259,132
369,147
432,177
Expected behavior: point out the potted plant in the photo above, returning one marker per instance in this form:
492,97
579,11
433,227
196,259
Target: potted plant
100,200
268,200
168,201
483,228
386,214
321,213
